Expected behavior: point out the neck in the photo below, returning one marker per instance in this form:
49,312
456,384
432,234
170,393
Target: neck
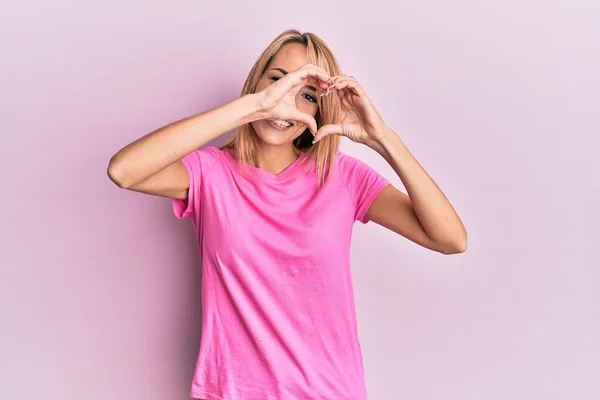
275,159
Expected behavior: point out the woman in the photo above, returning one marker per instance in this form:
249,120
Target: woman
273,211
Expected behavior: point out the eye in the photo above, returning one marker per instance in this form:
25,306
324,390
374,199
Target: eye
311,98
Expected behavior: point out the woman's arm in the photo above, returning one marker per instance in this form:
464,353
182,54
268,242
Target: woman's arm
152,164
425,215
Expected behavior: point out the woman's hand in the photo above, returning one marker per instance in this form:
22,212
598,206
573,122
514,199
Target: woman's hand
278,101
360,121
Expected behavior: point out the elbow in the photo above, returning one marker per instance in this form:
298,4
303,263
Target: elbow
116,174
455,247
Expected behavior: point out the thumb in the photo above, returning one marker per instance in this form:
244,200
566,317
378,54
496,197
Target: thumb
306,119
329,129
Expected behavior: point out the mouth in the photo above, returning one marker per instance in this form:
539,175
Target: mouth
280,124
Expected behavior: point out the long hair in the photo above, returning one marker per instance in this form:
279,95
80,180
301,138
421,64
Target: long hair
321,154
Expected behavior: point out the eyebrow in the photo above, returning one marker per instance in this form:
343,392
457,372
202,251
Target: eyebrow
283,71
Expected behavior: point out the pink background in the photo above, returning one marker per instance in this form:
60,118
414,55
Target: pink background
499,101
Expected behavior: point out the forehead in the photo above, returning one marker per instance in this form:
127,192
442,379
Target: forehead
290,57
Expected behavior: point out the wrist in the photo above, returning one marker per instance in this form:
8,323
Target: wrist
381,141
386,136
377,146
254,106
379,136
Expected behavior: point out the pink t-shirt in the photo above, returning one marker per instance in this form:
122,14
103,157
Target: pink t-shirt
278,312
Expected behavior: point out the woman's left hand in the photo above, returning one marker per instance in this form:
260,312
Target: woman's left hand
360,121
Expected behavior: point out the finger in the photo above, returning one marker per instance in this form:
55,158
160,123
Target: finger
317,83
341,83
342,76
329,129
317,76
329,89
310,70
338,85
347,78
302,82
306,119
341,92
315,79
349,83
322,70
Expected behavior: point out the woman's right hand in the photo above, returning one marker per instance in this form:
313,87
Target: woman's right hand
278,101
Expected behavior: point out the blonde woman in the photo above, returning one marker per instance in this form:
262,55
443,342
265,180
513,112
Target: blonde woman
273,210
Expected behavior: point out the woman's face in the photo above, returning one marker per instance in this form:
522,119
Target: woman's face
289,58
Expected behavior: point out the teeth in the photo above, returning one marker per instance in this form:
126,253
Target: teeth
281,123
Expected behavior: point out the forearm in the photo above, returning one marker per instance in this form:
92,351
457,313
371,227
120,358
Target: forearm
435,213
162,147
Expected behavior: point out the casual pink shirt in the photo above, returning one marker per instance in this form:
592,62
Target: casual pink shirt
278,312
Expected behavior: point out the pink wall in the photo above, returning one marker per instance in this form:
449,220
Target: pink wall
99,287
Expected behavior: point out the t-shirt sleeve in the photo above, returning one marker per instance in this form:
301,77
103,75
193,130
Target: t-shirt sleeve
197,164
363,182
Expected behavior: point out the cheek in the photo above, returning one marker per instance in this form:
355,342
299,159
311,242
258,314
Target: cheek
306,106
261,85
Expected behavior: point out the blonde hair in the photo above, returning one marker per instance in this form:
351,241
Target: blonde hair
322,154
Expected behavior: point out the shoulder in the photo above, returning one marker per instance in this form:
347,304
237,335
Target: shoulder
212,153
207,156
201,161
362,181
348,164
356,172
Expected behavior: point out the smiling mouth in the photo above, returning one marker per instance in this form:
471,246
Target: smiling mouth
280,124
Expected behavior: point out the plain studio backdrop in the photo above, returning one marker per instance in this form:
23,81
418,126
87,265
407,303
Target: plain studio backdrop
499,101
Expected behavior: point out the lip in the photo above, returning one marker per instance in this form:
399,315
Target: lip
278,127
